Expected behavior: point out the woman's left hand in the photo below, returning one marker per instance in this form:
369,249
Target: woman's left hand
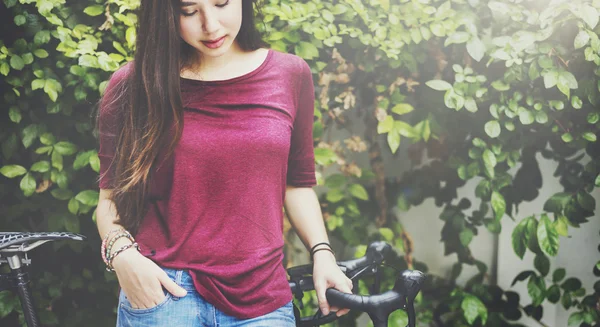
327,274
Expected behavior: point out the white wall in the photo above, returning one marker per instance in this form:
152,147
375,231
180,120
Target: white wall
578,253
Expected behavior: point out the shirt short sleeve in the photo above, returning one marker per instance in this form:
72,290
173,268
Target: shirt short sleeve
107,128
301,161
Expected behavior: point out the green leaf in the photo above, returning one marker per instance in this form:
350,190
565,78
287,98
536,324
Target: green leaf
597,181
498,204
558,275
438,29
562,225
492,128
593,117
393,138
20,20
553,294
541,117
571,284
40,53
94,10
386,125
575,319
358,191
334,195
589,136
536,287
550,78
88,197
57,160
41,166
472,308
581,39
471,105
61,193
542,264
439,85
41,37
65,148
476,48
306,50
586,201
500,86
522,276
466,236
402,108
576,102
28,184
405,129
567,137
457,38
73,206
568,79
29,135
415,35
547,236
14,114
82,160
489,158
4,69
387,234
587,13
16,62
95,162
12,171
526,117
38,84
130,37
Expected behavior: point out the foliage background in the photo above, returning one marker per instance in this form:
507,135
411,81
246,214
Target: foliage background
480,89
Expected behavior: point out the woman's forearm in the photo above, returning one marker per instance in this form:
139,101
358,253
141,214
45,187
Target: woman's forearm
304,212
106,214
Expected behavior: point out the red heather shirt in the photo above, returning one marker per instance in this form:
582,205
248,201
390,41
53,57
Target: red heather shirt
222,191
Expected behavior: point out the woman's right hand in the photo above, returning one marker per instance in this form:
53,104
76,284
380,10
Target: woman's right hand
142,280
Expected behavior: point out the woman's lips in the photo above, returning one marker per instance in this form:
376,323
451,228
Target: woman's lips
214,44
214,41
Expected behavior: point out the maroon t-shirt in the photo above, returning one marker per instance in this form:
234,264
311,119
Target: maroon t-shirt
222,191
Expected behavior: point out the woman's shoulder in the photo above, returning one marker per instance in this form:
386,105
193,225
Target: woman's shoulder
293,63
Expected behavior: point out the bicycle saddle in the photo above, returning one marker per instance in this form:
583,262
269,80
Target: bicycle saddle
25,241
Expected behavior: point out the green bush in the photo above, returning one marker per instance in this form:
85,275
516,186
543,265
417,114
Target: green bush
481,87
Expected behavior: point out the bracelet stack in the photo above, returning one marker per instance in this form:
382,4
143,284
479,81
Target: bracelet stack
108,243
315,250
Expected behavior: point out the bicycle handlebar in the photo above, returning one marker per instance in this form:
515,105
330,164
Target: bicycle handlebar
378,306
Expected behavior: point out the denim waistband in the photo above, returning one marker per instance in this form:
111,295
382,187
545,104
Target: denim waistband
181,276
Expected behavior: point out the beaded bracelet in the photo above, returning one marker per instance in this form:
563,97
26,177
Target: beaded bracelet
105,240
110,267
112,242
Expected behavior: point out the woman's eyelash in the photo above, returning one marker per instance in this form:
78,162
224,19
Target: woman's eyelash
192,13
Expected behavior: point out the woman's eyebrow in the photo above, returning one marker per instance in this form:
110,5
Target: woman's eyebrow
186,4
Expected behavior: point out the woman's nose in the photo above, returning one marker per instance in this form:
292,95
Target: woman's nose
210,24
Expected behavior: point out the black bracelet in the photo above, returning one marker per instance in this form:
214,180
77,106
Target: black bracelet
317,250
315,246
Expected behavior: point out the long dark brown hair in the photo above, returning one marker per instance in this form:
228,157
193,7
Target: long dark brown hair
150,108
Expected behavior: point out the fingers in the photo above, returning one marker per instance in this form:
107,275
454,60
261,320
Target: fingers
171,286
320,288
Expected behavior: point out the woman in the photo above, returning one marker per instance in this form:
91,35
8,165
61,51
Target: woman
204,137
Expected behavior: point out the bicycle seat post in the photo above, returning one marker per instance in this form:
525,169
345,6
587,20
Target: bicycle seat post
19,279
13,250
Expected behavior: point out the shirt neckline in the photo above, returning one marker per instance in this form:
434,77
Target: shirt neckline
233,79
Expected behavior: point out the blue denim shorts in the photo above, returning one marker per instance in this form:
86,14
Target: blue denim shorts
193,310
